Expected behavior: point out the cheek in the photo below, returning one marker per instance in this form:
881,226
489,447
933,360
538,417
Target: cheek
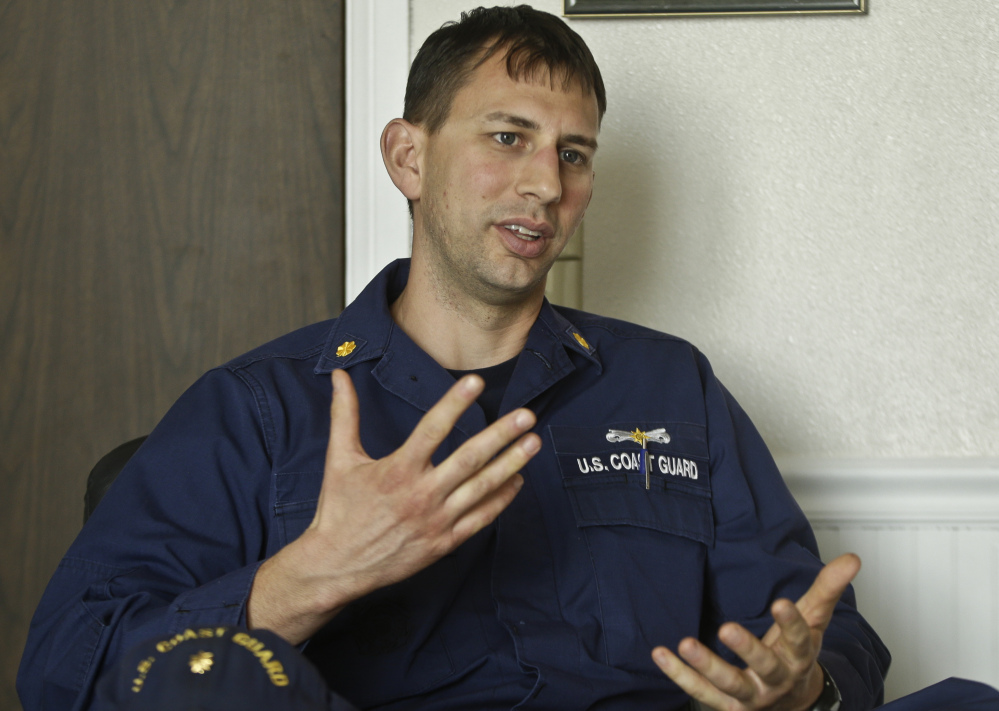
483,180
576,196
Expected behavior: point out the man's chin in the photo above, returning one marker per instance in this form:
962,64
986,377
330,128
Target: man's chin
514,291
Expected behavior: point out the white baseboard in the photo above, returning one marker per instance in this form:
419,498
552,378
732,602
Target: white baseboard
928,534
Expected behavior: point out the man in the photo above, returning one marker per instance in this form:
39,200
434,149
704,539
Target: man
510,504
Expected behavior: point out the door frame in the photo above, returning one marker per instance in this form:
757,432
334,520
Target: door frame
378,228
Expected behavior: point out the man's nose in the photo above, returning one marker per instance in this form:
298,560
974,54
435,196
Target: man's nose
540,176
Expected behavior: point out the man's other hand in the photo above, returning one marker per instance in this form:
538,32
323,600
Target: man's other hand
379,521
782,671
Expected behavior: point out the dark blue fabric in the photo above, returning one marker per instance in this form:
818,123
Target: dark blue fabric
951,694
589,569
216,668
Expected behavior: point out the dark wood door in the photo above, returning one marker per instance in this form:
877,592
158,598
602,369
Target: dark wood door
171,194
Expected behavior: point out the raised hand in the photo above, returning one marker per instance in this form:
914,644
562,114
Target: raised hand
782,671
379,521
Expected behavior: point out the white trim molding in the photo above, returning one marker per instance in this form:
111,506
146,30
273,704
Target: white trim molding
928,533
378,228
904,491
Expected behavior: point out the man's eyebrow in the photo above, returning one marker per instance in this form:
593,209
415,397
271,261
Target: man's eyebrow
504,117
580,140
574,138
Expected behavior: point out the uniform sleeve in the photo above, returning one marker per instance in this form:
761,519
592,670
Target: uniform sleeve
765,549
174,544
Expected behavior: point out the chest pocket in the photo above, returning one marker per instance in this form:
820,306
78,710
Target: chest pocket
647,547
605,471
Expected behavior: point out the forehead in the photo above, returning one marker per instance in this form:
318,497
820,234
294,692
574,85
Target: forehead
490,88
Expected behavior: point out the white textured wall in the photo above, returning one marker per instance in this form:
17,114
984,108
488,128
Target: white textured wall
811,200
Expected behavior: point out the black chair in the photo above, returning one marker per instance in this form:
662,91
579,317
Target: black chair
105,472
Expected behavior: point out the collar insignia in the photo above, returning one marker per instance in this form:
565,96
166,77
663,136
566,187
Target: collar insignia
201,662
345,349
643,438
581,341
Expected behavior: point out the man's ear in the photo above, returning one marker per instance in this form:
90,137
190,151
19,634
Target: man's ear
402,150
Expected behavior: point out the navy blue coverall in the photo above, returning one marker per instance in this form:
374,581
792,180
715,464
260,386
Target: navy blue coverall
557,605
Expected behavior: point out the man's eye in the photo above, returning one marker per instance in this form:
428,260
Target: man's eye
506,138
571,156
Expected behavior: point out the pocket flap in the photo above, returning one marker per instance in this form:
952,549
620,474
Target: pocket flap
605,473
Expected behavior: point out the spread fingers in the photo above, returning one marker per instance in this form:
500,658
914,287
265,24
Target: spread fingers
704,678
481,484
483,462
435,426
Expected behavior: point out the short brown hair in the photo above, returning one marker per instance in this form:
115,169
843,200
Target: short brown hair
534,41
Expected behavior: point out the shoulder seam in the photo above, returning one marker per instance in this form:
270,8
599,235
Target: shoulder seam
616,326
244,362
263,409
635,331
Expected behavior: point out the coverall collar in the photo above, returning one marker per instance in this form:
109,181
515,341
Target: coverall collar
365,331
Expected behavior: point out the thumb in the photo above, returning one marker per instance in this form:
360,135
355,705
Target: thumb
818,603
345,418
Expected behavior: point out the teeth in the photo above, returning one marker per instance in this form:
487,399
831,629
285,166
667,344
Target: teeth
523,231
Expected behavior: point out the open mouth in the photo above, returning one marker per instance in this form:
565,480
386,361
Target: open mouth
523,232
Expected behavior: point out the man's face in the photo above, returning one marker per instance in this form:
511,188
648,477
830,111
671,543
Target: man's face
506,181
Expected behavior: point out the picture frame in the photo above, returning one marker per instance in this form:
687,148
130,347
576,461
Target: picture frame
702,8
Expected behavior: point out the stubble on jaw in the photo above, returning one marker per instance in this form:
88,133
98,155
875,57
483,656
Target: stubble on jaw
476,287
458,289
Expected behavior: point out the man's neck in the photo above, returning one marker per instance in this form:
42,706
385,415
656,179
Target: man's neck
462,333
